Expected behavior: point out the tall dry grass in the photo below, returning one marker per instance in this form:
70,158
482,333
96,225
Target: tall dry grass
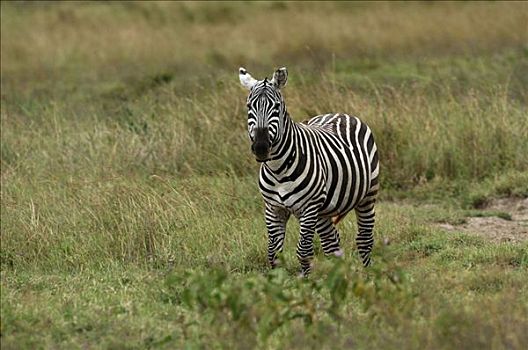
84,43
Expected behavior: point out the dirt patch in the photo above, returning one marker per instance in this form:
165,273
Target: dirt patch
495,228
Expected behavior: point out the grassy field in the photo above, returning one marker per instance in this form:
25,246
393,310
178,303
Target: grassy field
130,211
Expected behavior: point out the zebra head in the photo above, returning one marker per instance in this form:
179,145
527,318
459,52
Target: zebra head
266,109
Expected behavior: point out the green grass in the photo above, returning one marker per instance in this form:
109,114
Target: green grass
130,211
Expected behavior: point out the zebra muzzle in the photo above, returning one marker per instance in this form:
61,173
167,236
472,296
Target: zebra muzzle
261,146
261,151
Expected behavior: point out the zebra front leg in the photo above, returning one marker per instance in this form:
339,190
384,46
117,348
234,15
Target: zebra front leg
305,249
329,237
365,216
276,219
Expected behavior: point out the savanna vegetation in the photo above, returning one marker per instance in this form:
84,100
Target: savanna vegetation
130,211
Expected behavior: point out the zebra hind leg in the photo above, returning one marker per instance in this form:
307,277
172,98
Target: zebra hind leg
329,237
365,216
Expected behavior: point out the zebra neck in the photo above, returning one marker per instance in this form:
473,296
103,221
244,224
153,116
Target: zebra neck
286,152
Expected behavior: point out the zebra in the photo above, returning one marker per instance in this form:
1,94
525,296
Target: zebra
317,170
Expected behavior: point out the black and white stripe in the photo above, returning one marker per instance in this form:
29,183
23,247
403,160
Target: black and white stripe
318,171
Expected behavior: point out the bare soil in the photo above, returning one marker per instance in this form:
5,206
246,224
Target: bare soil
495,228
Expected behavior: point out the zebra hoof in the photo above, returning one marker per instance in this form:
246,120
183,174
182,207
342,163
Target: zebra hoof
276,263
367,262
303,274
339,253
306,269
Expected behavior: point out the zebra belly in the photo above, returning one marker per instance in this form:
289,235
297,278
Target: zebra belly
288,196
282,196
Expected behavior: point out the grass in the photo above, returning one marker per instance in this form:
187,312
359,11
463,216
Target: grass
130,212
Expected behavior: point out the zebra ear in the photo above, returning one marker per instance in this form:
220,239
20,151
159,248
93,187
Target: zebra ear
280,77
246,79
